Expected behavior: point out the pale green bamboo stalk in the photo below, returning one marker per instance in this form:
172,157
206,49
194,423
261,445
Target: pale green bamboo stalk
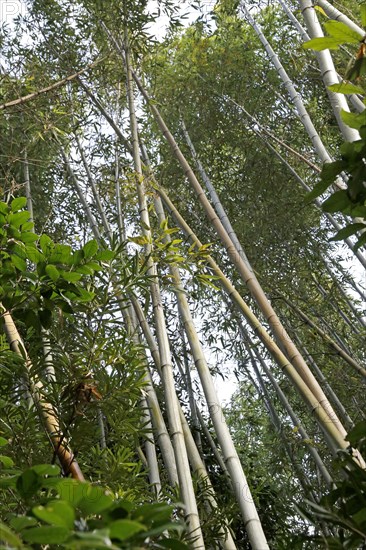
154,407
94,189
92,222
162,435
262,334
356,102
294,94
333,13
180,451
329,75
151,457
120,220
216,452
242,491
47,352
245,273
27,186
102,436
186,374
194,456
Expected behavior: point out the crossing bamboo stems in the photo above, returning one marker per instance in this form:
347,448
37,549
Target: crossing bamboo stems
246,274
242,491
337,348
158,422
314,405
175,425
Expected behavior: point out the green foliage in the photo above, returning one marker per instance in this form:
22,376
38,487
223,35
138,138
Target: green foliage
343,509
351,201
35,269
71,514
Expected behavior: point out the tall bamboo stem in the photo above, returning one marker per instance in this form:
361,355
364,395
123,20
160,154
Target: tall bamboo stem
181,458
262,334
246,274
243,494
46,410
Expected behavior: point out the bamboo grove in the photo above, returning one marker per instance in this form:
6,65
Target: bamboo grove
182,210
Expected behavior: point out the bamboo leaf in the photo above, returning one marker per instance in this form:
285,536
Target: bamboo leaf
28,237
318,190
354,120
28,483
322,43
71,276
52,272
348,231
320,10
341,31
361,242
18,218
363,14
56,512
18,262
6,461
173,544
46,244
346,88
10,539
337,202
90,248
95,500
22,522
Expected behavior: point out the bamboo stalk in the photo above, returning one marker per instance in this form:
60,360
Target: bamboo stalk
243,494
332,12
151,458
295,96
194,456
46,410
356,102
337,348
94,189
246,274
180,451
160,429
54,86
285,403
90,217
329,75
314,405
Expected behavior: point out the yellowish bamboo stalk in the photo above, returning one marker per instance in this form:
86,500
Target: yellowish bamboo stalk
49,417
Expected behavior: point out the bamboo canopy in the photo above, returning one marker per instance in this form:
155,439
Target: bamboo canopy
166,288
